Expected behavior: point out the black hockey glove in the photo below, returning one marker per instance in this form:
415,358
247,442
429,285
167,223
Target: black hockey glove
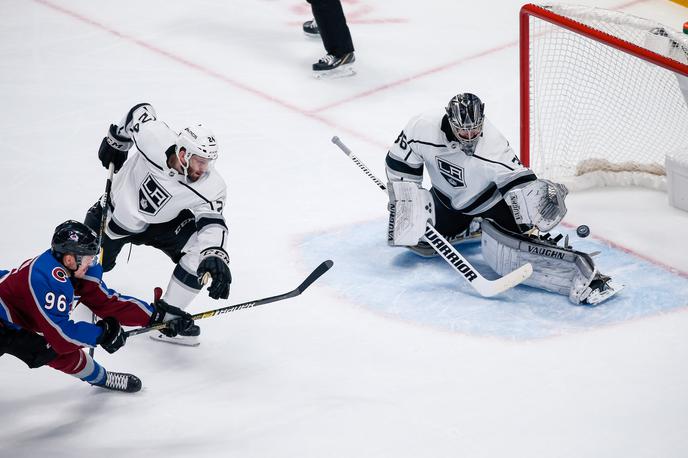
113,337
174,318
114,148
215,261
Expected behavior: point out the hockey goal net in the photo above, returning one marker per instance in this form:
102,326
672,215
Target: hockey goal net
603,96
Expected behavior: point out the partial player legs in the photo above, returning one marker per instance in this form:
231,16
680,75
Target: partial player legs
80,365
332,26
448,221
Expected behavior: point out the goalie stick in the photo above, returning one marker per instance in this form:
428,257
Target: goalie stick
482,285
317,273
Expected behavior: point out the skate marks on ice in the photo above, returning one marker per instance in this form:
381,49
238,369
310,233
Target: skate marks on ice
396,282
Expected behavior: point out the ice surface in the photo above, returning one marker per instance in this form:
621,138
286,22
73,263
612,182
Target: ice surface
427,291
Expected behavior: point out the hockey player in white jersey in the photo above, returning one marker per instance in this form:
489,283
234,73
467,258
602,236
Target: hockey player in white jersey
167,194
480,189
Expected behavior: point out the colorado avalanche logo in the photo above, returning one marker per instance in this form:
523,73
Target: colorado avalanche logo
73,236
59,274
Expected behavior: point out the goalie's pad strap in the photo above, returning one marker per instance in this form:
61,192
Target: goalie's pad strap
555,269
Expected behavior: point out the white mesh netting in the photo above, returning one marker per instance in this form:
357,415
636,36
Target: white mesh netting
599,115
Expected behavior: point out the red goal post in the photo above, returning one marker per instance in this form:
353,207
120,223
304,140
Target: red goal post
604,95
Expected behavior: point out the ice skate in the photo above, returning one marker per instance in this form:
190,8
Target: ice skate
330,66
188,337
310,29
120,381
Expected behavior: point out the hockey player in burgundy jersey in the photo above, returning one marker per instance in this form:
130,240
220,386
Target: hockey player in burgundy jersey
37,297
167,194
476,178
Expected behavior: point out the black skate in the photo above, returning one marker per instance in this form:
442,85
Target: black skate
188,337
120,381
310,29
334,67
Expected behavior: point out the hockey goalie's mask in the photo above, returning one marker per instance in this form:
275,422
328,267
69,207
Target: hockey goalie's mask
466,115
197,151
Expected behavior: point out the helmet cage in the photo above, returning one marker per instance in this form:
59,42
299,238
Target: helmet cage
466,115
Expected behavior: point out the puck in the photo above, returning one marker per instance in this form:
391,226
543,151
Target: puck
583,231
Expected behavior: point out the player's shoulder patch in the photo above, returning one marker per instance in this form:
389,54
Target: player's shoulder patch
60,274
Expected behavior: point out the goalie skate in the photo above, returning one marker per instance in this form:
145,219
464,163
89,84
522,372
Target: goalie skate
600,289
470,235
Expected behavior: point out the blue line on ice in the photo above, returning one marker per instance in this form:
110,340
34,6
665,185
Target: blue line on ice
396,282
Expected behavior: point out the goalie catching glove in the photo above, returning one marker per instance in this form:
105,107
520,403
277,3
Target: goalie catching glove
215,261
539,203
410,209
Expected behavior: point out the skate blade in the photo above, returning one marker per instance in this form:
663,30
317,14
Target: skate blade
339,72
187,341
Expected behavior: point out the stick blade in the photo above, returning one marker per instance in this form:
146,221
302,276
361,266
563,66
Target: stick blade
317,273
489,288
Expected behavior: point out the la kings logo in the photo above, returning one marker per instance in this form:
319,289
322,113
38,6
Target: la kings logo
152,196
452,173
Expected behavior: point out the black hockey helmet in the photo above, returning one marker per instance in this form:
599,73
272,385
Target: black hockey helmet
75,238
466,114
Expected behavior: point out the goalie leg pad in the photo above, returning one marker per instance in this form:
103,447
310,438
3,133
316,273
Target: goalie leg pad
410,209
557,269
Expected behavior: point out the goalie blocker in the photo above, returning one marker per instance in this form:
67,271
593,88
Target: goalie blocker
558,269
410,209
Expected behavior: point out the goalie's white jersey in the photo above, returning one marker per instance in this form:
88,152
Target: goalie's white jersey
471,184
146,191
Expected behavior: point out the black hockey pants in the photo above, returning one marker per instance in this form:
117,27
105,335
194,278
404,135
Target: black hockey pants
450,222
169,237
28,346
331,22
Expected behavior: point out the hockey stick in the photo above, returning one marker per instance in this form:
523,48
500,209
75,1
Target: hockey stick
105,204
482,285
317,273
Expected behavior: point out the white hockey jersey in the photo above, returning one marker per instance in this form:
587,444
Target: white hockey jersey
147,191
470,184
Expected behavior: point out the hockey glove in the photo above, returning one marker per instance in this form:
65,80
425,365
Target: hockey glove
215,261
174,318
113,337
114,148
